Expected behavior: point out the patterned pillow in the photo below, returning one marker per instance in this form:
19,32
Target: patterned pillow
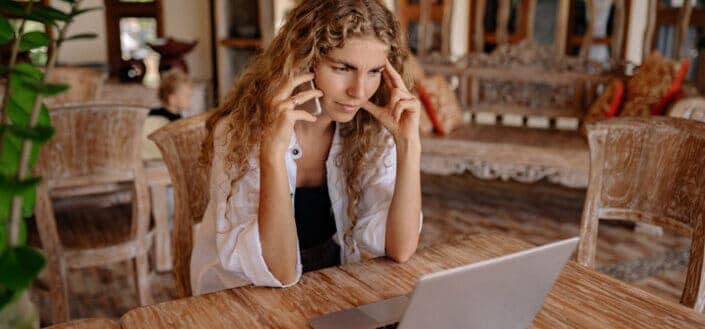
440,104
647,88
414,68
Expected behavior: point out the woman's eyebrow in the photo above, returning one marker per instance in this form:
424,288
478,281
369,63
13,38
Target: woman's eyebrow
351,66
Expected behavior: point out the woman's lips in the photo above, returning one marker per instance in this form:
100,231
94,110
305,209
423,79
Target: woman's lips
348,108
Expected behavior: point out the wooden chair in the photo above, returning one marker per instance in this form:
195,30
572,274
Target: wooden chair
180,144
94,149
649,170
86,85
90,323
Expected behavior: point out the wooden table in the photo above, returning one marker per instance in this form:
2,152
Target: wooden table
581,298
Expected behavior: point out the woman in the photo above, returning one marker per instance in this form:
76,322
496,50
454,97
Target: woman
291,191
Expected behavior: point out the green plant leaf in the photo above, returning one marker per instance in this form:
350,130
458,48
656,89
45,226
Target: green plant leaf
22,236
10,157
34,39
7,33
12,7
81,36
8,296
19,266
10,187
27,72
49,89
17,113
84,10
47,15
38,134
44,117
29,198
3,234
13,186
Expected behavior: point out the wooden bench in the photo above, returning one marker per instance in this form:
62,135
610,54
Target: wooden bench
523,103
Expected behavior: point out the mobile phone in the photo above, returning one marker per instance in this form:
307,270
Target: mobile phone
318,109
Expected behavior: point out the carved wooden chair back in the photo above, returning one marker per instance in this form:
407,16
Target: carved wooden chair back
526,13
180,144
86,84
649,170
428,15
94,146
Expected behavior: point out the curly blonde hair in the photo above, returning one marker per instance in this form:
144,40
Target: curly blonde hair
312,29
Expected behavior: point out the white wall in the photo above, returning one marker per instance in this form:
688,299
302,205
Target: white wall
183,19
190,20
85,51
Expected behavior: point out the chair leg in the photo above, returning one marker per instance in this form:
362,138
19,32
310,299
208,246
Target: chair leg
142,280
162,243
58,293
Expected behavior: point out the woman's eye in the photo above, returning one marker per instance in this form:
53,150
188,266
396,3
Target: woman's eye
341,69
373,73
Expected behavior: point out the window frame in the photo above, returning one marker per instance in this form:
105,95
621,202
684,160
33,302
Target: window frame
116,10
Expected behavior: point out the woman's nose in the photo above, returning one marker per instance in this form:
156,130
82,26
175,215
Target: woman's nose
356,89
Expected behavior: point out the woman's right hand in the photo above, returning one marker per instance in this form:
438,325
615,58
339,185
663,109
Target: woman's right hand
277,136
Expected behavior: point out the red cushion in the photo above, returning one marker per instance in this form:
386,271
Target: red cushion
673,89
617,98
430,109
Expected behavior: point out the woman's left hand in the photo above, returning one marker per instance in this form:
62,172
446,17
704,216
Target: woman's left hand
401,114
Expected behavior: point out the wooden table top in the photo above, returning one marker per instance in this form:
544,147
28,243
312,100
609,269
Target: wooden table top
581,297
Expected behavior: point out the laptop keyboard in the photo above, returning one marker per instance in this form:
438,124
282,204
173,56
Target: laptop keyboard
389,326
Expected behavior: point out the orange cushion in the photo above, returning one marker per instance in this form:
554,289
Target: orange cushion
429,109
617,99
440,104
673,89
607,105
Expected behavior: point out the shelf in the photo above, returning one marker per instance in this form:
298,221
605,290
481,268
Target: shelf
241,42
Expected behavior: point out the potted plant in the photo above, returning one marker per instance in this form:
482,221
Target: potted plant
24,126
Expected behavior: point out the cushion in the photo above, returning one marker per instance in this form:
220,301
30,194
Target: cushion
607,105
649,85
414,68
440,103
425,125
673,90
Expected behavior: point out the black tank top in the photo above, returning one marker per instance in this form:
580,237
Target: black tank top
315,222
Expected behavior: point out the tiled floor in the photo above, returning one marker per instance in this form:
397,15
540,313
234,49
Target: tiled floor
538,213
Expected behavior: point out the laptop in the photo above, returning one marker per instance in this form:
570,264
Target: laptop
503,292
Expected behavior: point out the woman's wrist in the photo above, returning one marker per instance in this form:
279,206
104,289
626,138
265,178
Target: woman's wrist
408,145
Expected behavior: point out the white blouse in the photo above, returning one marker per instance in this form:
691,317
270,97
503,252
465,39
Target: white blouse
227,251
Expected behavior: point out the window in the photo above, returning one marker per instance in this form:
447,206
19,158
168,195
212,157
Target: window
130,25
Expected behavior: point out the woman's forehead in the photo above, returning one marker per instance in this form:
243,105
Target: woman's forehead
360,52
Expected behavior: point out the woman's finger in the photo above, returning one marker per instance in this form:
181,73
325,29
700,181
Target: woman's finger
404,105
288,88
305,96
374,109
387,79
396,77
